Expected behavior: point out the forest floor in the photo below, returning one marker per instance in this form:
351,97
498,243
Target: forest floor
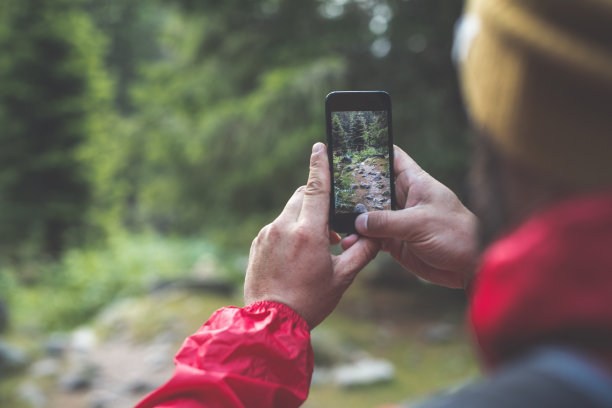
373,186
127,349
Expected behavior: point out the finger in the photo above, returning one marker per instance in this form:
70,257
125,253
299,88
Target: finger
391,224
293,206
315,207
355,258
407,174
402,162
334,237
349,241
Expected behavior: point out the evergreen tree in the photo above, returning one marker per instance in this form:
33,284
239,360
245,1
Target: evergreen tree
339,136
48,107
358,133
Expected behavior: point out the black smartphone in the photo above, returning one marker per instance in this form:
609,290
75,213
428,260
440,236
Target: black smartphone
360,150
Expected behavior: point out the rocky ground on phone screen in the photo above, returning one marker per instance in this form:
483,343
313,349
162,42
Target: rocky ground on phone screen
370,188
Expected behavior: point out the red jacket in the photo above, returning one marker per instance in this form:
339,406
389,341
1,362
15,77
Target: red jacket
256,356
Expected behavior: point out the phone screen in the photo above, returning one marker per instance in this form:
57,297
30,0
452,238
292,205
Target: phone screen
360,160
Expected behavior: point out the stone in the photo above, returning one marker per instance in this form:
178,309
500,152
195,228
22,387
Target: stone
386,193
364,185
377,177
32,395
83,340
75,383
56,345
346,159
11,359
349,168
378,207
363,372
47,367
354,186
369,197
137,387
80,376
360,208
439,333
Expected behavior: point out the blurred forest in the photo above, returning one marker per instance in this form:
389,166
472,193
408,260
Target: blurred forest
136,135
139,137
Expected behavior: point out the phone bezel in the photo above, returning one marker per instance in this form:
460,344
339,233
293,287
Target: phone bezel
341,101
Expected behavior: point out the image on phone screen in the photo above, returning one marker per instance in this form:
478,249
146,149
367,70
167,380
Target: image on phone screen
360,152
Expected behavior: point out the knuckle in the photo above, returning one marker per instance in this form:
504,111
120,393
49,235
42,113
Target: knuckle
315,186
302,234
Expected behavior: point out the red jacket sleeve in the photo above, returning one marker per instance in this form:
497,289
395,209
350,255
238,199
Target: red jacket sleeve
256,356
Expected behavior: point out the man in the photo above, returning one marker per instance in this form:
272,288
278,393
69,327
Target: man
537,79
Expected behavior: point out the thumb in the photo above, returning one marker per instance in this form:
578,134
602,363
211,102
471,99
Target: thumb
387,224
356,257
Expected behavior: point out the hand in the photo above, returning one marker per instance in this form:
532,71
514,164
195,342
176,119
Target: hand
290,260
432,234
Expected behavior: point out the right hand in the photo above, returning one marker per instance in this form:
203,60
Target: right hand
431,234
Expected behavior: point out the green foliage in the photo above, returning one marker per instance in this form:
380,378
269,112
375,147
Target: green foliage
74,289
53,98
193,117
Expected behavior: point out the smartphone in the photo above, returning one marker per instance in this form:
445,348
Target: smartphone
360,150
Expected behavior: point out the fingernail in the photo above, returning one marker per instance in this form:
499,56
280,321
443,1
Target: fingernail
317,147
361,223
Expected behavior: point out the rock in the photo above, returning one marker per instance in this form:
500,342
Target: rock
56,345
386,193
31,395
378,207
349,168
48,367
346,159
360,208
139,387
11,359
75,383
363,372
369,197
354,186
80,376
320,376
101,402
439,333
102,399
377,177
83,340
364,185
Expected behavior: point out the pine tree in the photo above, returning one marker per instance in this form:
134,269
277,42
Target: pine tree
339,136
358,137
46,103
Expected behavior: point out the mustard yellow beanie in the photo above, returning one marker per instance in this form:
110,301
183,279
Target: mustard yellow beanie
537,78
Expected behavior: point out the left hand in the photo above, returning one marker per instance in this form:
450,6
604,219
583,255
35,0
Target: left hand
290,260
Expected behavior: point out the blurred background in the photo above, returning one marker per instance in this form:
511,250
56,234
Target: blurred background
143,144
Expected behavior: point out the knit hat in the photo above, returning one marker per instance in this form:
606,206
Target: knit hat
537,79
